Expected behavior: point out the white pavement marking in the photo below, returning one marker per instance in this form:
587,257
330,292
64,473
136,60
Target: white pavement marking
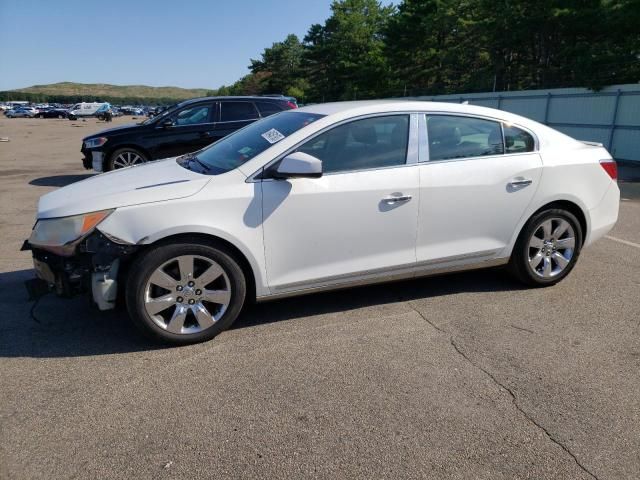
619,240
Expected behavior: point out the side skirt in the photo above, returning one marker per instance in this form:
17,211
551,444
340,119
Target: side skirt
391,275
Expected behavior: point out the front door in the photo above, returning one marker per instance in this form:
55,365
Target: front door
357,221
479,180
188,130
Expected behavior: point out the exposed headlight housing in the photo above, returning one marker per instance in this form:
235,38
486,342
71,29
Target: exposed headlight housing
95,142
60,235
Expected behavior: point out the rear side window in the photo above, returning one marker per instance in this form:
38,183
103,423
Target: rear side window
517,140
462,137
237,111
268,108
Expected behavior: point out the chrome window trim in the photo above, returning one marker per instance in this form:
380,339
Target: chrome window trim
424,152
236,121
191,125
410,160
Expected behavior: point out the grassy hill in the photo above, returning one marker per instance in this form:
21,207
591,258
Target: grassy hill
113,91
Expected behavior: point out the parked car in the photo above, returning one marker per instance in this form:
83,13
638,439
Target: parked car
325,197
126,110
186,127
53,113
87,109
21,112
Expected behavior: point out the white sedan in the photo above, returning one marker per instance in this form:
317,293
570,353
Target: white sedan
324,197
21,112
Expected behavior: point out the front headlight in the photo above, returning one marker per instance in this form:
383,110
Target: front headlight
56,233
95,142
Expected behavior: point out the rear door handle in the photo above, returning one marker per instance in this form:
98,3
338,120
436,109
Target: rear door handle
391,200
520,183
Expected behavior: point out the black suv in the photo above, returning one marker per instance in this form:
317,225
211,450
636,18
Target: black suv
183,128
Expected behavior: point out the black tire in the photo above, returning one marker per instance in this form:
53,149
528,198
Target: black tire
519,262
143,267
112,164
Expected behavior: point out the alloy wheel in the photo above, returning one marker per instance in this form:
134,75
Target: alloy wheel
551,247
127,159
187,294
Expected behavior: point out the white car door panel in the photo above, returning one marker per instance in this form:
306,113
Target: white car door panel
339,227
471,207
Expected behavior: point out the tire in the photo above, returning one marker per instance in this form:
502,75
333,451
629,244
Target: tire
125,157
547,249
180,311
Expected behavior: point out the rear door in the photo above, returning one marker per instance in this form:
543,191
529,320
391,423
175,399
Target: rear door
473,188
235,114
190,129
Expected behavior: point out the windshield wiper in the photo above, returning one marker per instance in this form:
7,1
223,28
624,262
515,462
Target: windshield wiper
190,157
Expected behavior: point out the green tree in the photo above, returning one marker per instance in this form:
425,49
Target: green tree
282,63
433,46
344,57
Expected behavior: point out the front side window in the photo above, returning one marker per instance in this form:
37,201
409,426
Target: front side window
237,111
362,144
193,115
517,140
462,137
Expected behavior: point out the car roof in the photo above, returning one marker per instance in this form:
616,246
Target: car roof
391,105
230,97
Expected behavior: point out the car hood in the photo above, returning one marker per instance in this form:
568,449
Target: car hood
146,183
115,130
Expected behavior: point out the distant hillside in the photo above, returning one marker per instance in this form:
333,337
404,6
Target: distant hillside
105,91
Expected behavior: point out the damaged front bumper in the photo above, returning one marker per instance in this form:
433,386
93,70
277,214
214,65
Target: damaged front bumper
94,268
92,159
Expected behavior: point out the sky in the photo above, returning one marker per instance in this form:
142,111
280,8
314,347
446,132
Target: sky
183,43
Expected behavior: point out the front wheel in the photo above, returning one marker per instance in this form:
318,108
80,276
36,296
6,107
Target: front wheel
185,293
126,157
547,249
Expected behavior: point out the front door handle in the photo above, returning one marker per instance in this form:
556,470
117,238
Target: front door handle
205,134
393,200
520,183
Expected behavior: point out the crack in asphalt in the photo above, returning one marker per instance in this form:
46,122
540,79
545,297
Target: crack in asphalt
514,399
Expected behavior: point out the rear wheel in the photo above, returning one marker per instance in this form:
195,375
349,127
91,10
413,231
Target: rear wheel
547,249
126,157
185,293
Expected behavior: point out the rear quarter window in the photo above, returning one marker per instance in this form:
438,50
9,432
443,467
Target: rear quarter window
237,111
517,140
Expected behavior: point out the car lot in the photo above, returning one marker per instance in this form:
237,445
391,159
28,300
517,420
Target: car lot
463,376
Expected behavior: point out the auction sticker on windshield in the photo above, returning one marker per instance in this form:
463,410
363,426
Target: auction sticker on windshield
272,136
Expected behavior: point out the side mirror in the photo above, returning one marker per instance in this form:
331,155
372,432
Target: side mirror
298,165
167,124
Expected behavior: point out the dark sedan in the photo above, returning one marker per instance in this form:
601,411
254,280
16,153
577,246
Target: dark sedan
53,113
183,128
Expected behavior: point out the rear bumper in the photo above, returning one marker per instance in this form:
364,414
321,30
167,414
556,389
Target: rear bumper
604,216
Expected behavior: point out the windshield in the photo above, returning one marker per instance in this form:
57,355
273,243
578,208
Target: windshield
241,146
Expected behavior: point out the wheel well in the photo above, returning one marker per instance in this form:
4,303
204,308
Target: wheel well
229,248
570,207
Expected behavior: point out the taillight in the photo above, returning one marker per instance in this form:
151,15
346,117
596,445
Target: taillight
611,167
292,105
